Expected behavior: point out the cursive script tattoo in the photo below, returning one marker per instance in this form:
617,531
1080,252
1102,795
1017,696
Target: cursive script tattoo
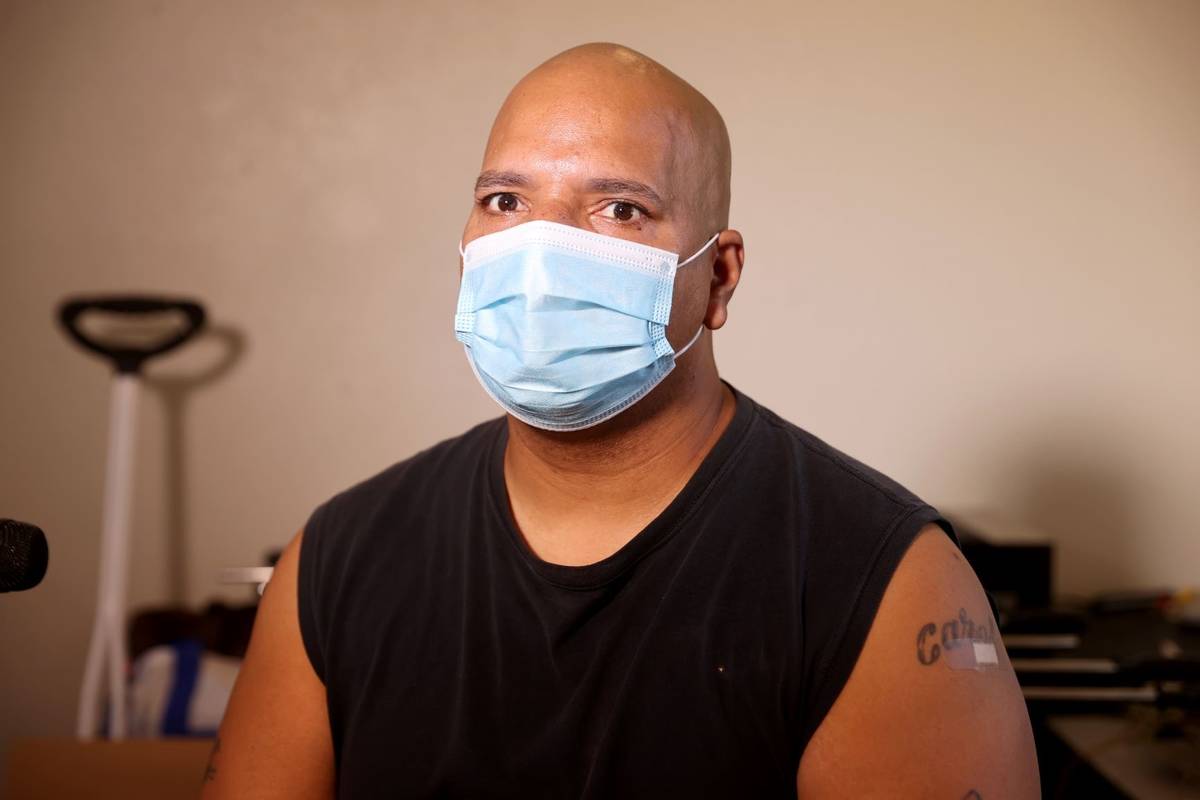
960,627
210,769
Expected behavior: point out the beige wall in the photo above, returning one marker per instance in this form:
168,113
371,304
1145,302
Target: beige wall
973,239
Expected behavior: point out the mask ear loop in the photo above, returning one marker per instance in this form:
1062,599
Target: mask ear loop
689,260
684,349
696,254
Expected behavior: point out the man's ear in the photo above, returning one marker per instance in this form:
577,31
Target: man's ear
727,271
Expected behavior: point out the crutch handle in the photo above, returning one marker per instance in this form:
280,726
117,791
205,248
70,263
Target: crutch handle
126,358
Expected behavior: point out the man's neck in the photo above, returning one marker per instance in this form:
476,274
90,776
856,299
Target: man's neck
578,497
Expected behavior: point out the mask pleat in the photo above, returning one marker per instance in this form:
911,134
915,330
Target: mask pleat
584,370
566,278
554,330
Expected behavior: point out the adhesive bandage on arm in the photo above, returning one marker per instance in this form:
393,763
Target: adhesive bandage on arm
974,654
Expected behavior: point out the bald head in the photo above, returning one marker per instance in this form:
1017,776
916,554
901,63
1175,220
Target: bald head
604,80
606,118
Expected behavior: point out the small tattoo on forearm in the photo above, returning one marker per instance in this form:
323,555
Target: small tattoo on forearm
961,627
972,795
210,770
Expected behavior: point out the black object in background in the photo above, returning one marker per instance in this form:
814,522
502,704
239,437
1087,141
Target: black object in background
24,555
129,358
1018,574
219,628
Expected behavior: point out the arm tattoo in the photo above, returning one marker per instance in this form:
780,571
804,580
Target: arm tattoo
973,795
210,770
961,627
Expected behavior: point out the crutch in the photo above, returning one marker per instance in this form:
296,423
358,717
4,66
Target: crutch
108,645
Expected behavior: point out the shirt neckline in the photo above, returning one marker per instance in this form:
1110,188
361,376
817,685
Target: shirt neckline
656,533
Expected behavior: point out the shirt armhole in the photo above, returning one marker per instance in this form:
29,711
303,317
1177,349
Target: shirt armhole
834,670
307,596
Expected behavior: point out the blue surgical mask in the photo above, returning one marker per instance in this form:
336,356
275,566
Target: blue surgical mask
566,328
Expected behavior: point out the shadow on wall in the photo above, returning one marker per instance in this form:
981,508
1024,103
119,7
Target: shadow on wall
222,346
1071,483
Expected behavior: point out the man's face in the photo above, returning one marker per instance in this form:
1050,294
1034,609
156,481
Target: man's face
613,162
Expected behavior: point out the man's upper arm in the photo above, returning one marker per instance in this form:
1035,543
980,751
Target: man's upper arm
274,741
915,719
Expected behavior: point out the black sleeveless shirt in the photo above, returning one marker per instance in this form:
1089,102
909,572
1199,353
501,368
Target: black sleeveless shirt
694,662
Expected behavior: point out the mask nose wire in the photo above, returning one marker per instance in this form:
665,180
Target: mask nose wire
696,254
684,263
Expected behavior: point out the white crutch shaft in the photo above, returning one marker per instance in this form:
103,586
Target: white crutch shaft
108,645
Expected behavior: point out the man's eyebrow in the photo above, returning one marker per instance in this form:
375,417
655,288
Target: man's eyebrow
493,179
502,179
624,186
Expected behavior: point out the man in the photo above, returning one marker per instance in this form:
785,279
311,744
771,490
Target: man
638,583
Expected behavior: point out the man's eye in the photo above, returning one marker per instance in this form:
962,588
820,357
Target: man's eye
622,211
502,203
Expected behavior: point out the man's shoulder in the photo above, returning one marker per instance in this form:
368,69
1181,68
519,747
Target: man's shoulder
855,524
825,473
437,471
